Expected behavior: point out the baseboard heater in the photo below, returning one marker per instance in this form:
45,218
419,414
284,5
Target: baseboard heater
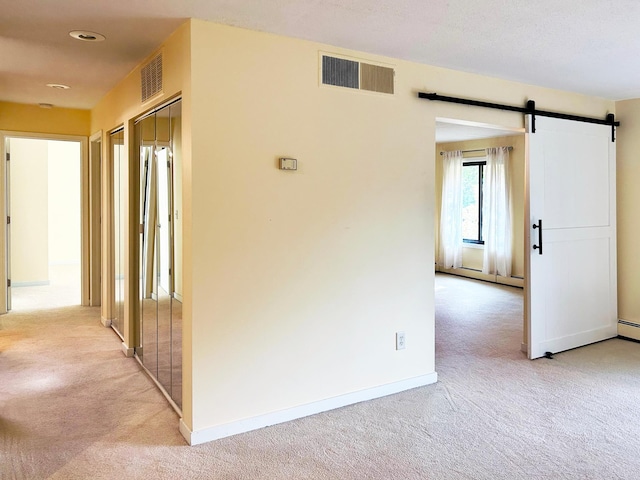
630,324
630,335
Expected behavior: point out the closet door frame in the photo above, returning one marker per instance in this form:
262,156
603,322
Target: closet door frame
142,236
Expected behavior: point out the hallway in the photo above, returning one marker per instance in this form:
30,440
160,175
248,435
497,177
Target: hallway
68,392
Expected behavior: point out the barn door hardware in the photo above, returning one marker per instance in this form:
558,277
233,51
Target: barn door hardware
529,109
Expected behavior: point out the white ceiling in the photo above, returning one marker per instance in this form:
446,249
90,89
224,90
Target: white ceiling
586,46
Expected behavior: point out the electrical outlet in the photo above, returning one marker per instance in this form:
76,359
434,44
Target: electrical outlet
401,341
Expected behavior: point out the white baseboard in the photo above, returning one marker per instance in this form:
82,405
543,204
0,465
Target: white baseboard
106,322
478,275
37,283
254,423
128,351
178,297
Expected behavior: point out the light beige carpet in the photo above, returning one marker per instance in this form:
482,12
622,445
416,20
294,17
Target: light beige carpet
73,407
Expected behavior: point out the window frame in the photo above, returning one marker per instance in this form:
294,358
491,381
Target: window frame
481,164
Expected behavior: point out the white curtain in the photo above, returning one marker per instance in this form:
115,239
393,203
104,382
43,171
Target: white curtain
450,251
496,214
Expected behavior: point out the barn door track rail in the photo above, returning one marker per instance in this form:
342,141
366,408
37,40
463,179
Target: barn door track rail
529,109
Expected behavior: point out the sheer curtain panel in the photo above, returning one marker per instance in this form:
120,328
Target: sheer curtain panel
496,214
450,250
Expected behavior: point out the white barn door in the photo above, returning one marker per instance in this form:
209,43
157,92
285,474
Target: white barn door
571,291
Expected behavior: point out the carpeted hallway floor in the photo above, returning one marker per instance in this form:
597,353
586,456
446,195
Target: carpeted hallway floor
63,290
73,407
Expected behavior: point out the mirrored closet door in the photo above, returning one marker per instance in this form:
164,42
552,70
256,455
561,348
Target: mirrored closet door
119,172
159,142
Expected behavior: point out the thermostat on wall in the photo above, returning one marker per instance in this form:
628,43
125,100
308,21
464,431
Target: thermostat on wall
288,164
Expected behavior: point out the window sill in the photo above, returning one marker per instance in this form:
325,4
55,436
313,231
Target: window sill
476,246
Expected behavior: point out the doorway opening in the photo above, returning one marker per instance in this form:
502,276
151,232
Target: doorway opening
473,139
44,222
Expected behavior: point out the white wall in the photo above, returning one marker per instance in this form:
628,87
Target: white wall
29,214
45,208
64,202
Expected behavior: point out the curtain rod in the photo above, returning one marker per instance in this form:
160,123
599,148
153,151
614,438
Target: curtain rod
478,150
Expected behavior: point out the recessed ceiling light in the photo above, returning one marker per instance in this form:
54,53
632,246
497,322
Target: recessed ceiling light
58,86
87,36
45,105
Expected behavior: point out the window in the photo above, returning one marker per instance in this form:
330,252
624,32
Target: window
472,177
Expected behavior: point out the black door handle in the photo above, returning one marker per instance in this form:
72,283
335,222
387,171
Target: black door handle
539,246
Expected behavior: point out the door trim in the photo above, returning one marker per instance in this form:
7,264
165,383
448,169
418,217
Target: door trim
84,208
94,217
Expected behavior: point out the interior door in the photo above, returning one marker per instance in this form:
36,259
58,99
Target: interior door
571,288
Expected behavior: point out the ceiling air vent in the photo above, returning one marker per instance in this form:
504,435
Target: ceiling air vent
357,75
151,78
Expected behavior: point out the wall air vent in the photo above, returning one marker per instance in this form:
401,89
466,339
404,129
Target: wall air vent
358,75
151,78
340,72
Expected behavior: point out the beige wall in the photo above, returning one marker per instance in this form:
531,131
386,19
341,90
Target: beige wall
29,213
628,200
20,117
472,258
299,280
